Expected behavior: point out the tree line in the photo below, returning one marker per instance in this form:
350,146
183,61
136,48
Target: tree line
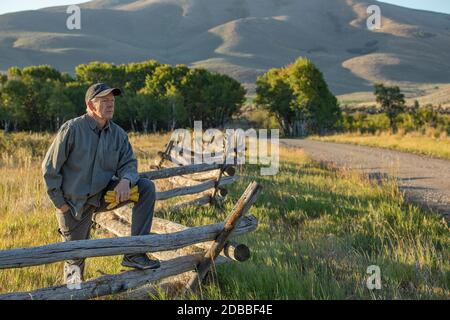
155,96
163,97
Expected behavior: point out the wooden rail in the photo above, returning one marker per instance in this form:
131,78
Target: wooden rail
17,258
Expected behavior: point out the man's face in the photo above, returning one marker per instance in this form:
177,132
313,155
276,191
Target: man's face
103,107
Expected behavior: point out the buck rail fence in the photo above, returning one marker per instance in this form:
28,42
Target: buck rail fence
187,254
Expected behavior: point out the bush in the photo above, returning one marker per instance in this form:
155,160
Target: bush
262,119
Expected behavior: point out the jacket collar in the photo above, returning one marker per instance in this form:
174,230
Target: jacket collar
93,124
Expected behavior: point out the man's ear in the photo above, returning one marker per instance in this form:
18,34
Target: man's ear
90,106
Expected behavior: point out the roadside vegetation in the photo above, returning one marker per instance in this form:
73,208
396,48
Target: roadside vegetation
415,129
392,124
429,144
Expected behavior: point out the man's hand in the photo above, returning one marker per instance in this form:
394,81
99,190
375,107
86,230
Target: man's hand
64,208
122,191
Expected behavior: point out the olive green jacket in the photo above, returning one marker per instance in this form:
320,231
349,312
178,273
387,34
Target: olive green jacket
83,159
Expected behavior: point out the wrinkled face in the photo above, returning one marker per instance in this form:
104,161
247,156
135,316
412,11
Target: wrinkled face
103,107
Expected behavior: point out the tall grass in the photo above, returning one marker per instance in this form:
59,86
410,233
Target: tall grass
428,144
319,230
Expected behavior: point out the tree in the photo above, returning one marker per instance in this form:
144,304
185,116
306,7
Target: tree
299,97
150,110
225,96
164,86
314,104
14,95
59,108
136,73
194,84
76,92
14,73
41,73
125,112
392,102
96,71
274,93
210,97
174,101
3,79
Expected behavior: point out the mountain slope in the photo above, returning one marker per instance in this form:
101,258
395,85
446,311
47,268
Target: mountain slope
242,38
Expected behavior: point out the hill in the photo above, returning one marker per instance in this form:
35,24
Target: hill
242,38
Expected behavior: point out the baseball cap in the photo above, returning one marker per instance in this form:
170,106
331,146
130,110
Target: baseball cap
100,90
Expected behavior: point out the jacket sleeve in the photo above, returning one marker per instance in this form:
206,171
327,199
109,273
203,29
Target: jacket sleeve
127,167
53,161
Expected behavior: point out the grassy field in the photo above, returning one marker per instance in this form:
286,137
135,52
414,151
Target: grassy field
319,230
417,143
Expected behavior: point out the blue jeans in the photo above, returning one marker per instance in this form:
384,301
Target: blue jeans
141,221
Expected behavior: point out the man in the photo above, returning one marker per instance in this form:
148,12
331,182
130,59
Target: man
90,156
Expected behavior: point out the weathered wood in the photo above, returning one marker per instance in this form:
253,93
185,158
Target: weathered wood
202,176
110,222
181,191
222,192
110,284
179,161
169,146
125,212
237,214
184,156
182,181
201,201
180,170
229,170
195,178
183,151
236,251
170,287
122,228
23,257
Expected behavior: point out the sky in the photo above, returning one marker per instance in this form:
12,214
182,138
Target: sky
21,5
7,6
431,5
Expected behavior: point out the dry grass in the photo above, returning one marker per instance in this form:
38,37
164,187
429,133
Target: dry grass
319,231
424,144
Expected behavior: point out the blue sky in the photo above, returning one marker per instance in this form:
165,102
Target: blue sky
20,5
431,5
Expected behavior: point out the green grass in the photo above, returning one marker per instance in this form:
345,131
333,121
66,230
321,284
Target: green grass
319,230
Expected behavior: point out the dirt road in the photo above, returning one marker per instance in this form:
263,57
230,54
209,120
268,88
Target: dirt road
425,181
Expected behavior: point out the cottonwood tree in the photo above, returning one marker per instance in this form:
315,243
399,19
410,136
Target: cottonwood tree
299,97
274,93
392,102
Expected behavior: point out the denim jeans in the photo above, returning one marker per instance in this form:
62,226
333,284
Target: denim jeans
72,229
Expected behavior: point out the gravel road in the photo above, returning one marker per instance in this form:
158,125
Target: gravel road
425,181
